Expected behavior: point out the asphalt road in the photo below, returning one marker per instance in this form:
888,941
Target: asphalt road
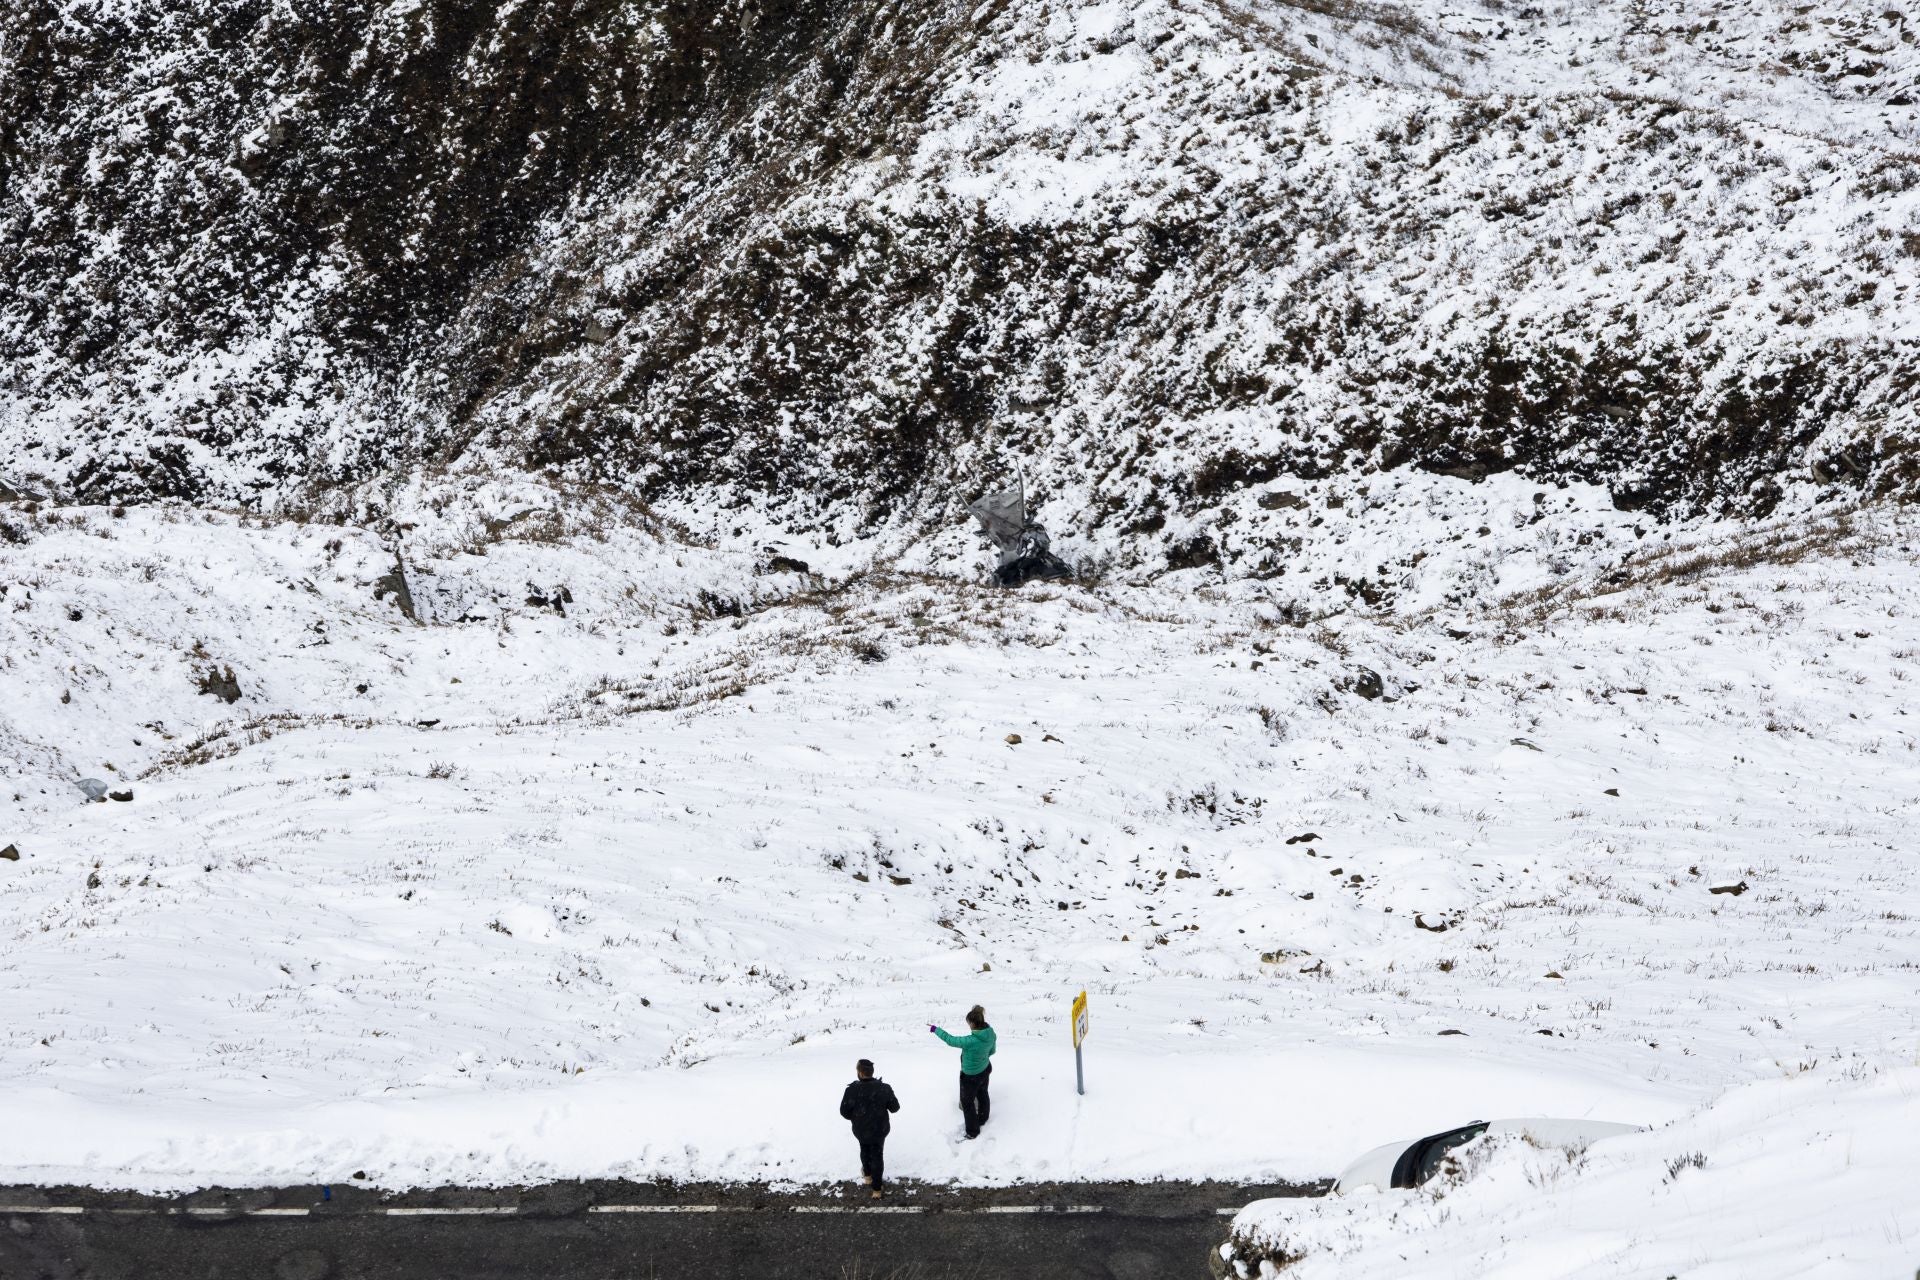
614,1231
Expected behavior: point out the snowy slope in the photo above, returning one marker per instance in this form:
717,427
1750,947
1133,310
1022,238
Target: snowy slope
1841,72
625,889
565,727
833,262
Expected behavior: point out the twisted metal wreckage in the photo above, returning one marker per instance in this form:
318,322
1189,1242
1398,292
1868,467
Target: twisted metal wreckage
1023,543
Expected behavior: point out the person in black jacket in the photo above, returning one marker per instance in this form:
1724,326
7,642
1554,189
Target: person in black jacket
867,1103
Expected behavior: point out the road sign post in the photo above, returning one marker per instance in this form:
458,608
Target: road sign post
1079,1036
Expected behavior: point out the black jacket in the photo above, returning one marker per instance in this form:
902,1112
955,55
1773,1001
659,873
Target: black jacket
866,1103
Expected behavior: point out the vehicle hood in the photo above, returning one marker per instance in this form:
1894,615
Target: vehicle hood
1375,1169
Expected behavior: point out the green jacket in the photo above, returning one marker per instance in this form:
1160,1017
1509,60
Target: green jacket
975,1048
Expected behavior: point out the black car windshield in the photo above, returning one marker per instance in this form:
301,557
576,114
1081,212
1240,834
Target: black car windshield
1435,1149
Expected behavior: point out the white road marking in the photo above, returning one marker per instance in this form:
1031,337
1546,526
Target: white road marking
497,1210
855,1208
669,1208
1040,1208
41,1208
198,1211
452,1211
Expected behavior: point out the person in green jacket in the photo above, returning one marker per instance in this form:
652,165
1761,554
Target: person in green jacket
976,1047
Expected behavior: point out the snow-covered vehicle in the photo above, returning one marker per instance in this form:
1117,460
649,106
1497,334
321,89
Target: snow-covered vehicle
1404,1164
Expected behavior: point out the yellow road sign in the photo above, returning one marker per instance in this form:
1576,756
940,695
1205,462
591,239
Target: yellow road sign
1079,1019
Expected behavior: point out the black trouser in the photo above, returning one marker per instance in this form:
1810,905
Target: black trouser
974,1103
873,1147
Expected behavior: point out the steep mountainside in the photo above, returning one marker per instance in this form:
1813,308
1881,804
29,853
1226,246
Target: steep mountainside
833,257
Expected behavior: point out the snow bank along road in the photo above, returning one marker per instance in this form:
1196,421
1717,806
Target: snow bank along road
560,1231
613,865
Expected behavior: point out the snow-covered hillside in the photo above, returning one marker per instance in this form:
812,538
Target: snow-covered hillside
834,260
483,483
616,863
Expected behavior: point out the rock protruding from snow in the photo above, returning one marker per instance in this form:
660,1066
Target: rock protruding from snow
221,683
